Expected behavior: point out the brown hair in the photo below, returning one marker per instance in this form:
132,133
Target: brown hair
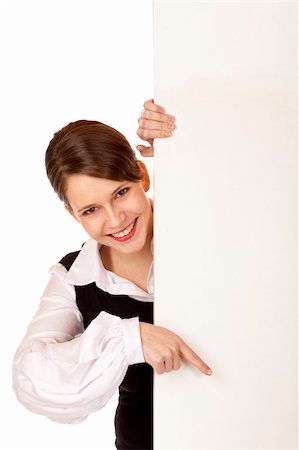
91,148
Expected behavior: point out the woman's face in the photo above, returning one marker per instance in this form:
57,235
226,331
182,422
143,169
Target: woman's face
106,207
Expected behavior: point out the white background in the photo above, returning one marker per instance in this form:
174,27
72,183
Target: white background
61,61
226,215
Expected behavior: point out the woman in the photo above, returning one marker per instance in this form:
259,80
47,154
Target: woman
93,331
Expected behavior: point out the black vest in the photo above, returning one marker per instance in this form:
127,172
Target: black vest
134,414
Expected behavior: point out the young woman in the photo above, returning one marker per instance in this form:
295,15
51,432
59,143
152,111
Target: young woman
93,331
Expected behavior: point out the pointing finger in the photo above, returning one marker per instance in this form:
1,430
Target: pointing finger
194,359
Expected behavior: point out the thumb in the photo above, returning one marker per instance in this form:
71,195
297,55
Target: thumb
145,151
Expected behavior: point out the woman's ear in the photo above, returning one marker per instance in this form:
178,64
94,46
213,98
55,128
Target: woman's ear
146,179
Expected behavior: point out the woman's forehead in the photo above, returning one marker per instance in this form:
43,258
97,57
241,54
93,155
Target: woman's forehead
77,182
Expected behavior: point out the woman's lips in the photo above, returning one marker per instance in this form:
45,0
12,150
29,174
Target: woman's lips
123,228
127,236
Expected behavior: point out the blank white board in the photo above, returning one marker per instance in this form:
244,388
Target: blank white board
226,223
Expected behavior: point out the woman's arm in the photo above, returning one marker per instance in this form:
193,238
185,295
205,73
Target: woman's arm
153,123
64,372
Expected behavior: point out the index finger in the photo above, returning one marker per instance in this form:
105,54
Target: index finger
194,359
149,104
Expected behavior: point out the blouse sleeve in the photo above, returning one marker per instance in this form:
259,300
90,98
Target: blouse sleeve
65,372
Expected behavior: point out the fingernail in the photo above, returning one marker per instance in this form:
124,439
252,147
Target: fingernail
171,126
209,372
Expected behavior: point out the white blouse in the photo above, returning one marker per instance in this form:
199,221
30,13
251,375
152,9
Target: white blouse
65,372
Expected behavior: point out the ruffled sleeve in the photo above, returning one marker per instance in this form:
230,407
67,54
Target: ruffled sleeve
65,372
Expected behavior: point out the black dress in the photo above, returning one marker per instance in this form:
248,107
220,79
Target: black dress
134,414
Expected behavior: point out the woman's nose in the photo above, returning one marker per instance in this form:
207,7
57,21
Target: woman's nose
113,218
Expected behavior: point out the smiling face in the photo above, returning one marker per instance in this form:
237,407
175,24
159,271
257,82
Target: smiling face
108,207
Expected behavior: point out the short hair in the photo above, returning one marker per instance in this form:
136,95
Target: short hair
91,148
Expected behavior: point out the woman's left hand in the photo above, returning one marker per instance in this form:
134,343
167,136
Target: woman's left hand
153,123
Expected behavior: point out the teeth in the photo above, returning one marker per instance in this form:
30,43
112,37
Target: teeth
125,232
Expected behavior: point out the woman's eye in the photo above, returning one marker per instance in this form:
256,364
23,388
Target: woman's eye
89,211
122,191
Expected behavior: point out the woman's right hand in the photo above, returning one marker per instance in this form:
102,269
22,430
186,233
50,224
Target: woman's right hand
163,350
153,123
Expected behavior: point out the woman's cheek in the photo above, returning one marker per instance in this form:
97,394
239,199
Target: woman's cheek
135,204
92,227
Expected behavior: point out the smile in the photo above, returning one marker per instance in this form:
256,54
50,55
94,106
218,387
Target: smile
125,234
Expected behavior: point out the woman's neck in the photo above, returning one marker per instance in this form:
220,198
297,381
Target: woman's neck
117,262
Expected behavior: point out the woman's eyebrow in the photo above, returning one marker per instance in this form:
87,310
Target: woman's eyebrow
94,204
